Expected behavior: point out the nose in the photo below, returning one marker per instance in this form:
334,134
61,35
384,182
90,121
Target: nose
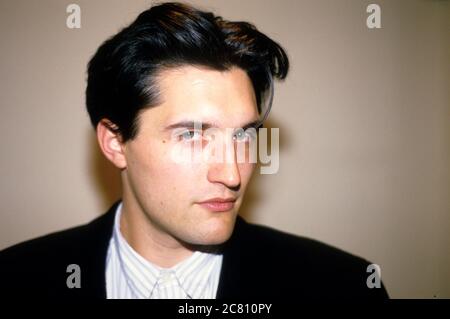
225,171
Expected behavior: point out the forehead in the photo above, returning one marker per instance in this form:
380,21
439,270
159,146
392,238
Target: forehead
200,94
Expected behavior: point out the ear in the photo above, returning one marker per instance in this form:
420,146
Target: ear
110,143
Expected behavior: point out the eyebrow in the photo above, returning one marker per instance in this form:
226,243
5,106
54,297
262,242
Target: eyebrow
206,125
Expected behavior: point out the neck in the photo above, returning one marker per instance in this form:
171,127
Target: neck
149,240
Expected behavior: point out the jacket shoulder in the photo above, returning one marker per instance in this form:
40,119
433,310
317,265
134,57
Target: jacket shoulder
65,241
319,268
40,266
285,244
43,246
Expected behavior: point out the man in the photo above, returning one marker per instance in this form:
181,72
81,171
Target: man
166,95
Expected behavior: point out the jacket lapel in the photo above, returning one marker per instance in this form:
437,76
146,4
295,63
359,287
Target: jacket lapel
96,247
230,283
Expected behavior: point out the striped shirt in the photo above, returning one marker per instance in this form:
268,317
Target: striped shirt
131,276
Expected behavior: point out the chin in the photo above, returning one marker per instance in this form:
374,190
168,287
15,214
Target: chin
214,232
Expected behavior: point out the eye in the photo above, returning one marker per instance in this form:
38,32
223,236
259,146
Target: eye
189,135
242,136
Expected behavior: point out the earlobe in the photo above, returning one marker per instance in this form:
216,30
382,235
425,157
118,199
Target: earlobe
110,143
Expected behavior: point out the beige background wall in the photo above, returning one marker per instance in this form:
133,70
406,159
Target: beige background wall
363,117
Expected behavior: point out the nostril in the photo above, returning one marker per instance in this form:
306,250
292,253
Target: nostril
235,188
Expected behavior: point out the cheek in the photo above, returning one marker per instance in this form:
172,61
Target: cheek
246,171
171,177
148,165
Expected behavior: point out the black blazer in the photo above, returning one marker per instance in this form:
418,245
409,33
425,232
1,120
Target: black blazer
258,262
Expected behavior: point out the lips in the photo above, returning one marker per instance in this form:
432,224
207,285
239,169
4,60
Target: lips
218,204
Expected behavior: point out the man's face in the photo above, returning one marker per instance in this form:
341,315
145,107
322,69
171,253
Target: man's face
169,192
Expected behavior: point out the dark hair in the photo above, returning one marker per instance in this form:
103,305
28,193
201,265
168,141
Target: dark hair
122,74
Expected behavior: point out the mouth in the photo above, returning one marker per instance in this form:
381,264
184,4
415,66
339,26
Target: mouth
218,204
